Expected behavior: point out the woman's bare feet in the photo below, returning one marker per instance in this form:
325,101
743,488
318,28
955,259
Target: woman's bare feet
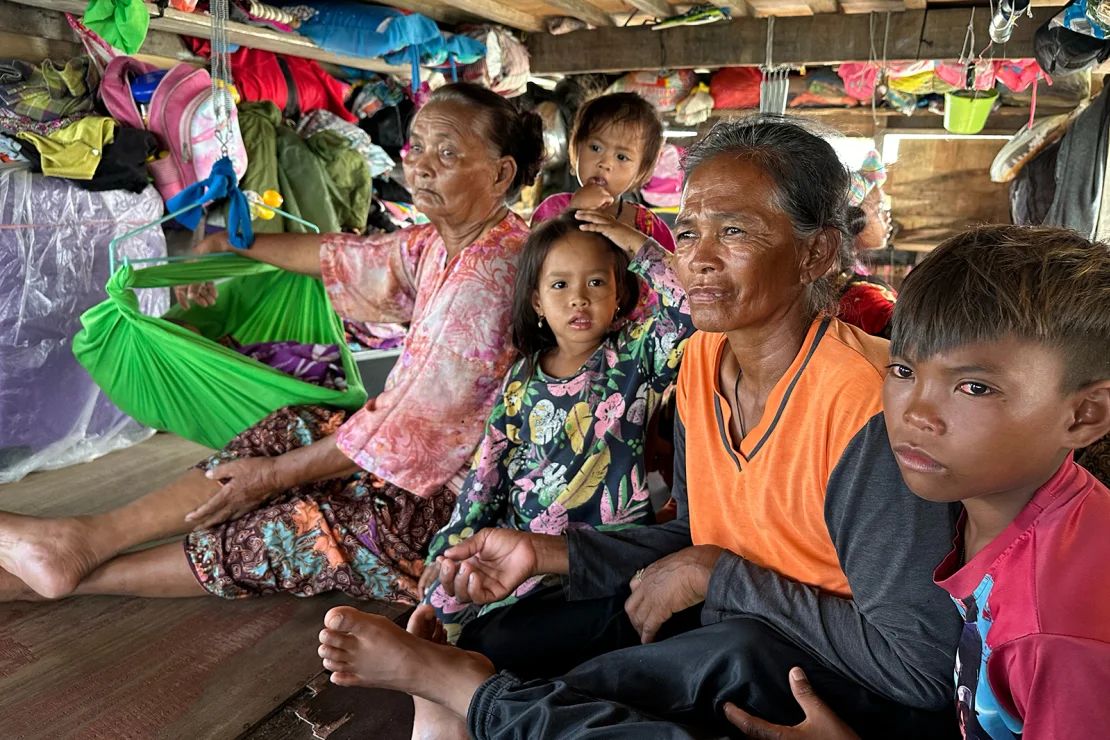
13,589
369,650
51,556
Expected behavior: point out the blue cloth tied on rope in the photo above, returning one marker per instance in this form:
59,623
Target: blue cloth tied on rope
221,183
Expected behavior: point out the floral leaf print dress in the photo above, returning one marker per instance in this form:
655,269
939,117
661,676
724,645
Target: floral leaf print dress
569,452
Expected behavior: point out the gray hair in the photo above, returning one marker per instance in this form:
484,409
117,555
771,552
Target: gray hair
811,183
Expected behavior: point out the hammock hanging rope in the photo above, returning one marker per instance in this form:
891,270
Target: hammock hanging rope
171,378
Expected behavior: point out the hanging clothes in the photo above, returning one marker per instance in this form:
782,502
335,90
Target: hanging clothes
1081,170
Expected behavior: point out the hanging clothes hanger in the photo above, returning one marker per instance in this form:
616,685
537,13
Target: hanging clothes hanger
774,88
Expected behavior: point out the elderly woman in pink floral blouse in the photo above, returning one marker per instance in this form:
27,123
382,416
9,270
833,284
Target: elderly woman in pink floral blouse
307,500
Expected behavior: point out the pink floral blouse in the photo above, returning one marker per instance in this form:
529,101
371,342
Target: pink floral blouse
421,431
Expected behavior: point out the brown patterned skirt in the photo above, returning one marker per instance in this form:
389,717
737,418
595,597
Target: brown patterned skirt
360,535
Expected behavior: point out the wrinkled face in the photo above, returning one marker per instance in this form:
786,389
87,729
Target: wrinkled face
611,158
577,293
876,234
982,419
451,168
737,254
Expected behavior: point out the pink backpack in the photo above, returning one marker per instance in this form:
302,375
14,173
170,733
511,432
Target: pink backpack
181,116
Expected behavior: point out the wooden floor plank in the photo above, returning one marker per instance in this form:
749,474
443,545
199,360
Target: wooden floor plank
108,667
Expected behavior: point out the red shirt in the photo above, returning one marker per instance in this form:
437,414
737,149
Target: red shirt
1034,658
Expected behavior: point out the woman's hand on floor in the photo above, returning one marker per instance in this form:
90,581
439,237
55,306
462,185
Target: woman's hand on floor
821,723
668,586
246,484
489,566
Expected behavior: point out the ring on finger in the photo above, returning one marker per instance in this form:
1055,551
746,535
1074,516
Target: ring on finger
639,575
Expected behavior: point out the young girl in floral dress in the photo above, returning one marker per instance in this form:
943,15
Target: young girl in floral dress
564,445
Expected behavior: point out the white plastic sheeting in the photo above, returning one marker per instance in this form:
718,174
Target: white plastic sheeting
53,265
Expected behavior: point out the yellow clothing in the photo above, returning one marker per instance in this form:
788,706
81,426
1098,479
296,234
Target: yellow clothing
75,150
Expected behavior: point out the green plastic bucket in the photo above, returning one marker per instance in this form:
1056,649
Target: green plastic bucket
966,111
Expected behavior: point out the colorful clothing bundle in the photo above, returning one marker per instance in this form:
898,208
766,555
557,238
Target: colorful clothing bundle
421,431
321,120
319,364
47,92
560,453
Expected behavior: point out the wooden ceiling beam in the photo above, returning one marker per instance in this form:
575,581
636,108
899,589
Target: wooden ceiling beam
780,8
818,39
658,9
583,11
823,6
435,10
502,13
739,8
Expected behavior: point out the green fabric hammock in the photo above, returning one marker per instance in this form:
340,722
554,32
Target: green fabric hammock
171,378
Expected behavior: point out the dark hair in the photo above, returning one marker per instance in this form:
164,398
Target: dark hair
811,183
528,336
511,131
855,219
1040,284
622,109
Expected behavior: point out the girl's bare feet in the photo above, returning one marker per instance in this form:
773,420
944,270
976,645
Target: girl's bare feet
430,720
371,651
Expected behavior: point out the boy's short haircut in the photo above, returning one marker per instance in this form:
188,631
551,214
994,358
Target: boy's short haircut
622,109
1040,284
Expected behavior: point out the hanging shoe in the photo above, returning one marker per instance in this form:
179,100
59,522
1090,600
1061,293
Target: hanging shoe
698,15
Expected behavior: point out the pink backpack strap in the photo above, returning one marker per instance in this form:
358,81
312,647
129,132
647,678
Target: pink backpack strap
115,89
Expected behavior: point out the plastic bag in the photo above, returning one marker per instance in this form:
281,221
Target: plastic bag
173,378
53,265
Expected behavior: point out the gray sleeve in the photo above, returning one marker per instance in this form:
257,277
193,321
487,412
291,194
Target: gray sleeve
898,633
601,563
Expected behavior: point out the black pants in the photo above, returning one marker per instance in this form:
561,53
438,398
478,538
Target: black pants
546,635
673,688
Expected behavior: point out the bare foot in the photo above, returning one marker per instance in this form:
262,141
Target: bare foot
430,720
369,650
51,556
13,589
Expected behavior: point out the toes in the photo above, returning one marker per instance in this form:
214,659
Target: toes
342,618
336,666
339,678
339,640
333,654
